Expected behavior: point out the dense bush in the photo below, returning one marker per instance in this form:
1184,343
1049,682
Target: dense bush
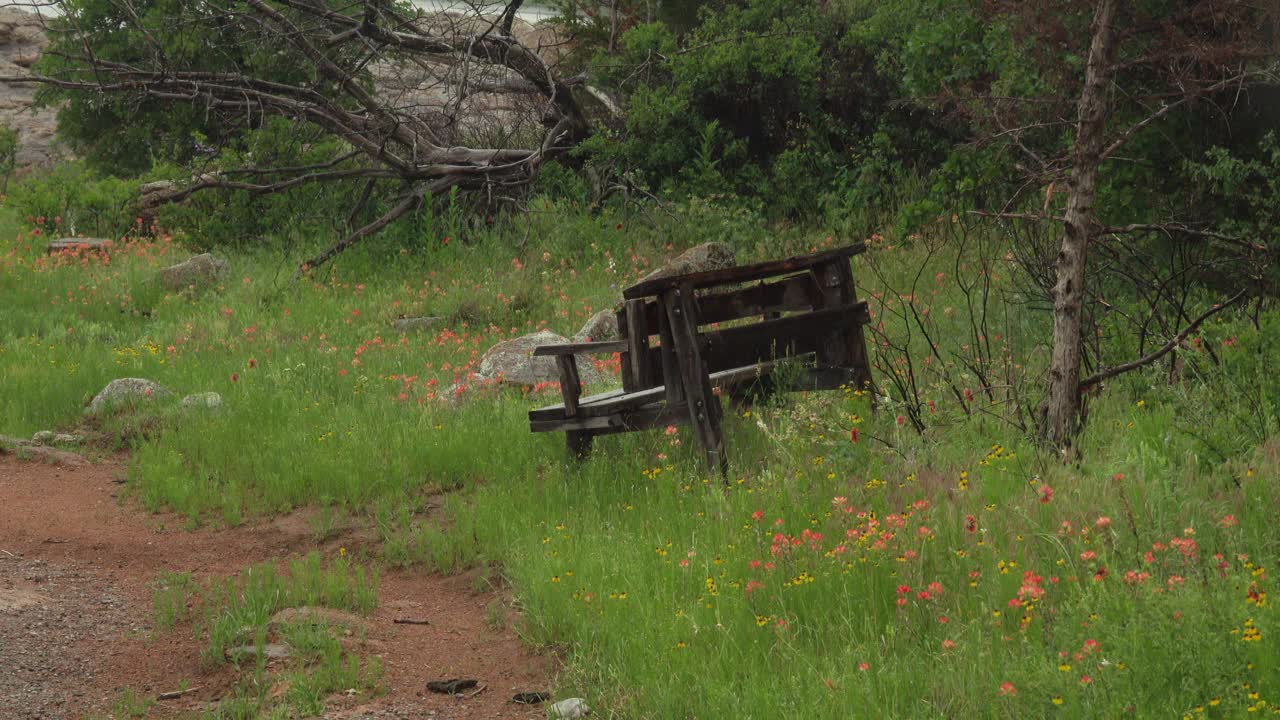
78,201
767,100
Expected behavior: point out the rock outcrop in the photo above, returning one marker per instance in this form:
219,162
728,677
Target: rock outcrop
22,39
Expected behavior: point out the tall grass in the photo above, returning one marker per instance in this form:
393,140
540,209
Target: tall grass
961,571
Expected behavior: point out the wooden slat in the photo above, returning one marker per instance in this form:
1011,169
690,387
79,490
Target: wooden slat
570,383
639,362
580,348
742,273
555,411
666,359
704,407
772,339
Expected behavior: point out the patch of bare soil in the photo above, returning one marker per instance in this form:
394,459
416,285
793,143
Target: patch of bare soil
77,568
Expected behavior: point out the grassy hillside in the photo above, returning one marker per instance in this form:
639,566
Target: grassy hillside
852,566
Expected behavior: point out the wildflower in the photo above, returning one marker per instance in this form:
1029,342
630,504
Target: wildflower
948,644
1088,555
1046,494
853,435
1007,689
864,666
1228,521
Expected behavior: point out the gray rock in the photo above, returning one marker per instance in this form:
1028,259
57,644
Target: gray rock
199,272
202,401
699,258
602,327
569,709
127,391
22,40
512,362
405,326
271,651
49,437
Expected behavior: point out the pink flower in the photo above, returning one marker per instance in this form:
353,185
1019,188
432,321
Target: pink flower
864,666
948,644
1088,555
1228,521
1007,689
1046,494
1102,523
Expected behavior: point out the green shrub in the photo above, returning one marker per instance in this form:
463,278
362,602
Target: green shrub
77,202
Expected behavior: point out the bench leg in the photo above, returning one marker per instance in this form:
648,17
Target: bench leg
705,412
579,442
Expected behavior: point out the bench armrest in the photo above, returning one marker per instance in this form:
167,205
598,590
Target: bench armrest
581,348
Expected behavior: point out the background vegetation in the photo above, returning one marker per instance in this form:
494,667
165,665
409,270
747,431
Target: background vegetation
926,559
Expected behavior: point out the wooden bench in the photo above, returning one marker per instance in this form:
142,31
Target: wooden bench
688,338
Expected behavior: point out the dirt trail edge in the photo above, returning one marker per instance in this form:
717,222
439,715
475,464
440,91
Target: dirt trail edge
76,574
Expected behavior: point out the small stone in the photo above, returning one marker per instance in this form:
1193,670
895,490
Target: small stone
404,326
271,651
202,401
569,709
127,391
309,615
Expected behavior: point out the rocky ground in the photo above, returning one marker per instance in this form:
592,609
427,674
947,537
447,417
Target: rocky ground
77,566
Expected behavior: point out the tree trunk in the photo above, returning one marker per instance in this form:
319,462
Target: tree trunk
1062,420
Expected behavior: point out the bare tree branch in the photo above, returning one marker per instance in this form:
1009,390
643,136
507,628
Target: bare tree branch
1174,342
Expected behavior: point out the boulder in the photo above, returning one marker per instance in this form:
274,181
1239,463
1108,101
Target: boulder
202,401
699,258
602,327
512,362
126,391
405,326
199,272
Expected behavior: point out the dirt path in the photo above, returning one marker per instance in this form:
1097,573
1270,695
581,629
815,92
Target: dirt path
76,573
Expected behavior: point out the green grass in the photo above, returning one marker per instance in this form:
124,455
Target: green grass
1129,583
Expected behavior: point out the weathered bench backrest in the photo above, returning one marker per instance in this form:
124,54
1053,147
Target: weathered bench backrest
818,291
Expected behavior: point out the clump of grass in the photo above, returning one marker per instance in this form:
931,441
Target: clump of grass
239,612
172,598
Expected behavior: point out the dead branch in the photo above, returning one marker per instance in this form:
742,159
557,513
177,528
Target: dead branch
349,55
1174,342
